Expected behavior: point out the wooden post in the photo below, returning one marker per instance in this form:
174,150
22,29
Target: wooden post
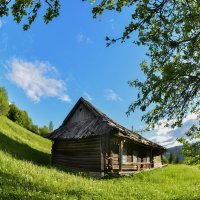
151,159
102,156
120,155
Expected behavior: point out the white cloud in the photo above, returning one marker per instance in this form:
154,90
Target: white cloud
88,96
35,79
81,38
166,136
111,95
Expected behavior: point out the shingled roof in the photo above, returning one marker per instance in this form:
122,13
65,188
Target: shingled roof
99,125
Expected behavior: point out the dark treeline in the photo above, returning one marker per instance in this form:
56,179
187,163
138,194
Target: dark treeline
19,116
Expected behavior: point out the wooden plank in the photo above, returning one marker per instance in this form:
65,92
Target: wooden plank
120,155
114,155
78,146
79,154
68,162
84,154
77,161
80,142
78,164
114,167
88,140
102,154
86,159
81,113
115,162
78,168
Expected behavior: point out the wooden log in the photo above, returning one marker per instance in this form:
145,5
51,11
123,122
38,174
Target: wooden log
96,159
66,164
79,144
120,155
115,167
77,148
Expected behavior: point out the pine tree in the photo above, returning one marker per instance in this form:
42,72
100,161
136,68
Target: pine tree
51,126
171,158
177,159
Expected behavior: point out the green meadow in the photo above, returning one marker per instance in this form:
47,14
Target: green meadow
25,173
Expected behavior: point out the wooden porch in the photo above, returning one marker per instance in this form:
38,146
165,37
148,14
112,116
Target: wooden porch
130,157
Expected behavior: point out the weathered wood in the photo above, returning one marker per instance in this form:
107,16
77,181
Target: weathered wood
91,141
115,167
81,113
120,155
102,154
157,159
82,154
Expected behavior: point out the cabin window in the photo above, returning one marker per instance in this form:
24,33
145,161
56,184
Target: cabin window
148,157
135,155
124,157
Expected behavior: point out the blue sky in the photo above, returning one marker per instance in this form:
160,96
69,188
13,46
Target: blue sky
48,68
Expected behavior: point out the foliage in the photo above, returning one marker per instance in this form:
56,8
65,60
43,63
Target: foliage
171,31
165,160
191,146
4,104
20,117
51,126
29,10
23,177
34,129
44,130
171,157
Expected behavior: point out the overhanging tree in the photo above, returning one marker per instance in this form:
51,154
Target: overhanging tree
171,31
29,9
191,146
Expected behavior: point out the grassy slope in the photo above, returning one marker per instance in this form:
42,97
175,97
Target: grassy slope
25,174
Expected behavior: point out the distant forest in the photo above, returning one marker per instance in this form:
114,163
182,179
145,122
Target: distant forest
20,116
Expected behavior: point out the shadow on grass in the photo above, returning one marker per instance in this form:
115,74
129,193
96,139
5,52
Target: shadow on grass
29,190
23,151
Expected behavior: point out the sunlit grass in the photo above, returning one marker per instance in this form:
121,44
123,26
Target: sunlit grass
27,177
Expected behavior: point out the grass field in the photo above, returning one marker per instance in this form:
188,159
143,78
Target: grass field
25,173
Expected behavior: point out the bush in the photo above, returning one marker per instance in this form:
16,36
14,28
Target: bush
164,160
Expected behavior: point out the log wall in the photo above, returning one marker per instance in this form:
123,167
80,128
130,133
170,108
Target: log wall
83,154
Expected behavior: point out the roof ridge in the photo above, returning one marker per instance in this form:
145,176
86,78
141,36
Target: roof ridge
109,122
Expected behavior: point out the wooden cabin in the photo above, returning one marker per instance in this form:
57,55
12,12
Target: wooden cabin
90,141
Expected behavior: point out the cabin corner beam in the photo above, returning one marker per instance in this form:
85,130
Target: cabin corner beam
120,154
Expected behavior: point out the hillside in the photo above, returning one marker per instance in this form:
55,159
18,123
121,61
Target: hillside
25,174
23,144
